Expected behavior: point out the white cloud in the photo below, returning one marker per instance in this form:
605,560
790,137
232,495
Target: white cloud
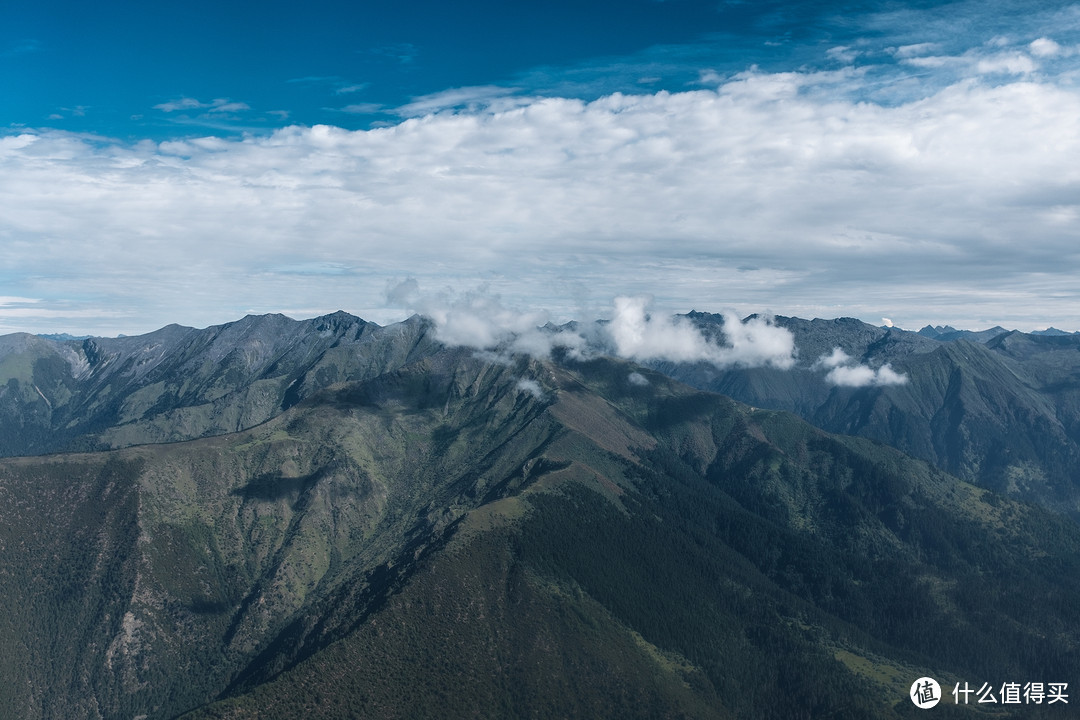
862,376
887,376
636,333
1013,63
6,300
756,342
837,358
930,61
1045,47
184,103
476,319
531,387
479,319
226,106
13,143
636,378
640,336
710,78
842,53
852,376
844,372
964,195
915,50
480,96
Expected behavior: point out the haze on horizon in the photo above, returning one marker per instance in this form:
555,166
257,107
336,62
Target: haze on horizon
910,162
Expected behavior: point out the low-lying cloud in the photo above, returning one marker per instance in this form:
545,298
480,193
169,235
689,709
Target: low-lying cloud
639,335
844,371
531,387
479,319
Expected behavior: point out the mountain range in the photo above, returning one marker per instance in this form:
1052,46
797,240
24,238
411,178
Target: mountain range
997,408
333,519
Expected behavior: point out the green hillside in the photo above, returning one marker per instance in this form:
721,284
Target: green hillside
999,409
447,541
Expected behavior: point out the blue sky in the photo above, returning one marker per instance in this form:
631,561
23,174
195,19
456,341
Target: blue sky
118,68
192,163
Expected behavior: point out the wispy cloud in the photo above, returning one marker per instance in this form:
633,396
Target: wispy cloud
13,300
218,105
362,108
352,88
69,112
24,313
842,53
531,387
1011,63
185,103
916,50
225,106
338,84
464,98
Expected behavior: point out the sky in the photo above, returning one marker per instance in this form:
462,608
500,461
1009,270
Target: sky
900,162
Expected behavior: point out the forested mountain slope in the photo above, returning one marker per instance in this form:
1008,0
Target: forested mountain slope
465,536
1003,414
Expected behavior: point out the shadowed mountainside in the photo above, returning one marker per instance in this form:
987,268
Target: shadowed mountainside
1003,414
442,540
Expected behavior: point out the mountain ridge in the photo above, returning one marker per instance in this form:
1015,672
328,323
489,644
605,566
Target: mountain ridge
1002,413
178,382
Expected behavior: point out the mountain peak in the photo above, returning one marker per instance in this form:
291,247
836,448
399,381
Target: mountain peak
1053,331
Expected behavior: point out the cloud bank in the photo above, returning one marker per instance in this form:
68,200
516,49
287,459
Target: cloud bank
639,335
479,320
788,190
